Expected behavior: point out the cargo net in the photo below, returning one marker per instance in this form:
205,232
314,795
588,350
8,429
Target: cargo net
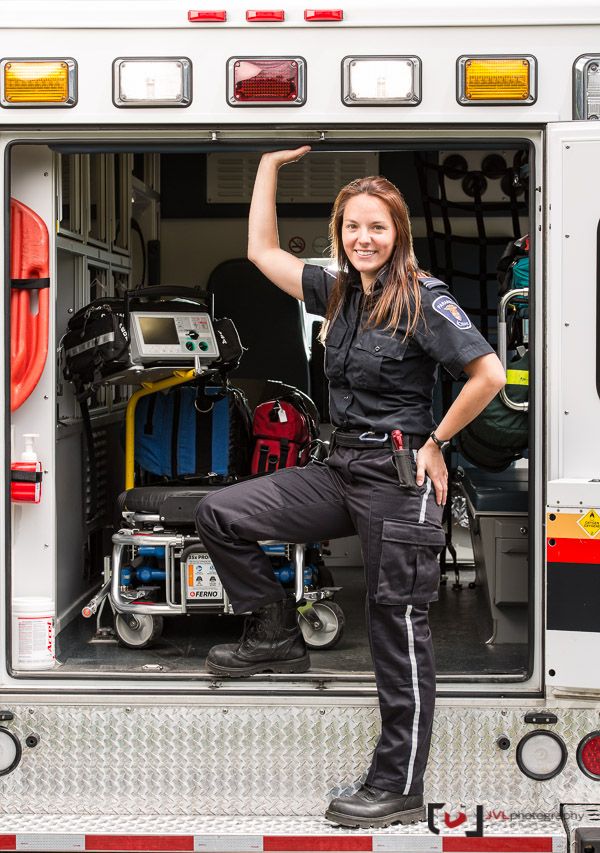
454,192
490,188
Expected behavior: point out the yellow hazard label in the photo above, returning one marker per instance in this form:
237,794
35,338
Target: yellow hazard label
590,522
517,377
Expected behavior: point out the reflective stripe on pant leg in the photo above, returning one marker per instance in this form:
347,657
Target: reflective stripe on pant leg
426,494
405,676
415,684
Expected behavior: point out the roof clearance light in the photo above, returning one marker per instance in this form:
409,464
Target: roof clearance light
541,754
257,15
271,81
381,81
210,16
496,80
588,755
38,82
586,87
323,14
160,82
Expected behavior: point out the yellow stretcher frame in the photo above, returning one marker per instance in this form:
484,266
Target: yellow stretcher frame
178,378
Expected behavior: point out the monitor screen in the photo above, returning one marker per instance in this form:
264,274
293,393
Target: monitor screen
158,330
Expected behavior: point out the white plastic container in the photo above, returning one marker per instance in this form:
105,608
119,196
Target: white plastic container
33,633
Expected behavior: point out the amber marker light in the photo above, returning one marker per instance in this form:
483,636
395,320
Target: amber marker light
496,80
38,82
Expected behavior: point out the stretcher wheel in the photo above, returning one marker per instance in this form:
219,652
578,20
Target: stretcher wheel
141,634
332,620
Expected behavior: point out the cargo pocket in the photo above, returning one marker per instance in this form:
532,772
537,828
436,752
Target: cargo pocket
409,571
380,355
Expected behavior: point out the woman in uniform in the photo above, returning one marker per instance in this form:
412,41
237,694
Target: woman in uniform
387,327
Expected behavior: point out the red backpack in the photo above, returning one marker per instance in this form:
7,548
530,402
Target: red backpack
283,430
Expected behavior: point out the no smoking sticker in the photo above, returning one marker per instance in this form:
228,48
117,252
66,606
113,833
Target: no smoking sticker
590,522
297,245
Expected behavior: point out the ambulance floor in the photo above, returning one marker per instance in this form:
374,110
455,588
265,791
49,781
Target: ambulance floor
460,647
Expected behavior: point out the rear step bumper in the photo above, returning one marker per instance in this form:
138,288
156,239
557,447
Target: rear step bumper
266,835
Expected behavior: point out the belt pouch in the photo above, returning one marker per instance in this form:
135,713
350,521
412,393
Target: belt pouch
403,463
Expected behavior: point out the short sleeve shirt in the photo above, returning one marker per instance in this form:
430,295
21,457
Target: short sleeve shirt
382,379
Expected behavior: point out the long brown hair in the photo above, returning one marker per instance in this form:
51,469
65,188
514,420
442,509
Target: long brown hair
401,289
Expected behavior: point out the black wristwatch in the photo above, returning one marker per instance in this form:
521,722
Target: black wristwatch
441,444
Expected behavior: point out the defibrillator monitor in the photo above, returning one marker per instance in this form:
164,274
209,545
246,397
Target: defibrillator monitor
159,336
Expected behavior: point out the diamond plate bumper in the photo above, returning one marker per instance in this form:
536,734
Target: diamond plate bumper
275,760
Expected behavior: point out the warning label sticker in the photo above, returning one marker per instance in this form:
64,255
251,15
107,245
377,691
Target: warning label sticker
590,522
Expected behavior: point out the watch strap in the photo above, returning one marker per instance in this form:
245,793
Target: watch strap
440,443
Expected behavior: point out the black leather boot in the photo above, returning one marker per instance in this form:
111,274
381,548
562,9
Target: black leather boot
371,806
271,642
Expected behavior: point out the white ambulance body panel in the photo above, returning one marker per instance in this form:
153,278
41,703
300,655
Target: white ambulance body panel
220,767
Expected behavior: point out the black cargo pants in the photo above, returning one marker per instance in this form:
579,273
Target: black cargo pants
401,535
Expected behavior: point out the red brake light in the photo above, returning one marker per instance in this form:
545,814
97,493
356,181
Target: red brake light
265,15
210,16
266,81
588,755
323,15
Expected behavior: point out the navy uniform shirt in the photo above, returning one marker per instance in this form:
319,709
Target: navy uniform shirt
379,379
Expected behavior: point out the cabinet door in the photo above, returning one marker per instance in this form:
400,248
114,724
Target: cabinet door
120,166
96,208
68,178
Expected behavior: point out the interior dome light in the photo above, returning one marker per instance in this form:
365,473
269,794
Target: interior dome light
586,85
381,80
272,81
159,82
10,751
541,754
588,755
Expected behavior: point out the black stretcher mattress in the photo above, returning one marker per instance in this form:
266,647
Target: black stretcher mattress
174,504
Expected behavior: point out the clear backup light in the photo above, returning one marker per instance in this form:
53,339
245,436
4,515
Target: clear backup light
10,751
381,81
152,82
269,80
38,82
586,87
588,755
541,754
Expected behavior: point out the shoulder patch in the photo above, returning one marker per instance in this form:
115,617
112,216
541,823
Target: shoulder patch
447,307
433,283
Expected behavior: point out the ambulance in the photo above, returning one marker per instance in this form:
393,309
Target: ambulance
130,134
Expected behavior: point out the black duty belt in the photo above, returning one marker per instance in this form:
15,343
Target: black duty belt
371,440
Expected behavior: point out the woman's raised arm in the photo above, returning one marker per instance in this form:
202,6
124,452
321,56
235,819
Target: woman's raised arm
282,268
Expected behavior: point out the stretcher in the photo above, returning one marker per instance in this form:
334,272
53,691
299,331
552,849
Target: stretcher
158,566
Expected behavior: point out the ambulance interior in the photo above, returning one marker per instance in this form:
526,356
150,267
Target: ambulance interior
134,217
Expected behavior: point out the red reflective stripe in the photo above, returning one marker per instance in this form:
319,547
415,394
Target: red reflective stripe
528,844
573,550
210,16
8,842
318,842
140,842
323,15
265,15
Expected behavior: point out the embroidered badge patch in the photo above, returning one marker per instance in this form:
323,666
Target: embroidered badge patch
448,308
